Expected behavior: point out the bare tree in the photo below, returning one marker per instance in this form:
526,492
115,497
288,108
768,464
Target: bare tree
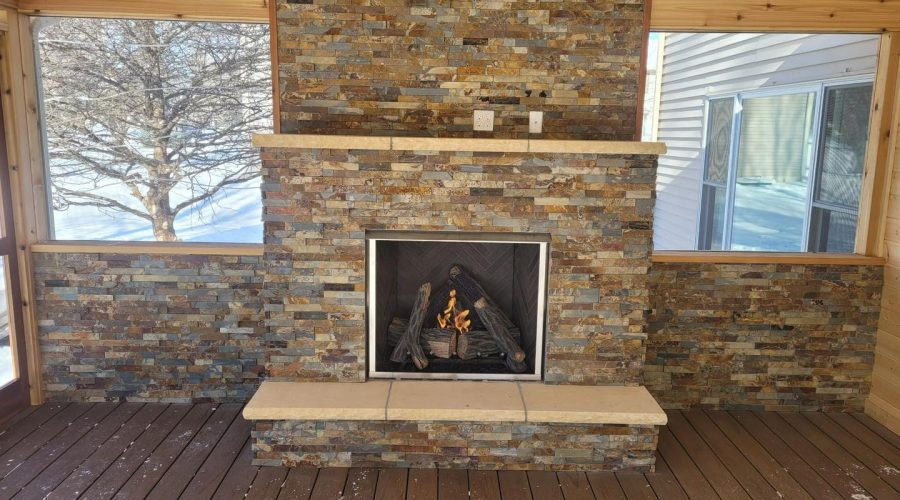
152,118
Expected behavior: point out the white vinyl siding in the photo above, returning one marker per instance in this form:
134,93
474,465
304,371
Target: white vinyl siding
696,66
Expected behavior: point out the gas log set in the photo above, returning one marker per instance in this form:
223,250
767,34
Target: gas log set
456,320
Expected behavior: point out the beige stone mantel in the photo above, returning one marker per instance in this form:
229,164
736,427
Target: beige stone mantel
300,141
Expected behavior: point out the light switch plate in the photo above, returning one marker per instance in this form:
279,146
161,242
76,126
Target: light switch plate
535,122
483,120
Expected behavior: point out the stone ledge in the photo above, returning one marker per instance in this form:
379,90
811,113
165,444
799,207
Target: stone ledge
302,141
455,401
580,404
318,401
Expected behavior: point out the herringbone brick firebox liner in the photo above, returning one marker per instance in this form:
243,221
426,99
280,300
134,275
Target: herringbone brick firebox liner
318,204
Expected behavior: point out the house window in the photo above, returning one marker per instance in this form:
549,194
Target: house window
783,168
147,127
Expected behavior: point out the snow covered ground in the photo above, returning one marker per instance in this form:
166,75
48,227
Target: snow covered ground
769,216
233,216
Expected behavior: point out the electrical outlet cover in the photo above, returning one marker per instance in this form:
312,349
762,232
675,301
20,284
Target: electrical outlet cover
535,122
483,120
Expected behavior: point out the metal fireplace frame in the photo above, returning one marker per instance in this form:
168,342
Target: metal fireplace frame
543,242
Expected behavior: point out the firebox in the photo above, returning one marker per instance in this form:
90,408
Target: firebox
456,305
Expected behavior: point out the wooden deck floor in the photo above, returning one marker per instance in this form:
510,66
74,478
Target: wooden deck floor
202,451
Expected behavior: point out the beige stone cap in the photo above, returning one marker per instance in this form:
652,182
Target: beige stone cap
318,401
300,141
581,404
148,248
455,401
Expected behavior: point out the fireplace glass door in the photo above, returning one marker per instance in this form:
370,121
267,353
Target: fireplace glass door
456,305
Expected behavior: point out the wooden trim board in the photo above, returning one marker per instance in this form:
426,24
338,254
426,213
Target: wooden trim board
875,188
822,16
19,97
276,70
642,73
764,258
148,248
885,413
255,11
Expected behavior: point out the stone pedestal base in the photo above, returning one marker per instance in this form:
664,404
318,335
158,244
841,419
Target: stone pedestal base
459,445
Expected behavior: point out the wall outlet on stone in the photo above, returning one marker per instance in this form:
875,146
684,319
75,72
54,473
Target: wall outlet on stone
483,121
535,122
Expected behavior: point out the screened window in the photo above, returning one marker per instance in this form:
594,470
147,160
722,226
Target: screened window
147,127
783,169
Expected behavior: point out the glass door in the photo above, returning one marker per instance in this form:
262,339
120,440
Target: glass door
14,394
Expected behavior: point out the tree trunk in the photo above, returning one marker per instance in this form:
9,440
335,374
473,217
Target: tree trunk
164,225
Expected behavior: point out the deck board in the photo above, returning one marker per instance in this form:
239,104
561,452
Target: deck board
514,485
544,485
34,441
391,484
575,485
732,456
361,483
663,482
47,468
811,454
205,482
422,484
28,469
708,461
756,454
17,429
239,477
203,451
484,485
133,457
329,485
788,459
192,456
299,483
845,459
151,416
267,483
453,484
605,486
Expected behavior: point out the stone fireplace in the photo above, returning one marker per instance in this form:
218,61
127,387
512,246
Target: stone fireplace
401,243
457,337
557,236
589,205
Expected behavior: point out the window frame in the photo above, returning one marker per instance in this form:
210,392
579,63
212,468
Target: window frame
17,76
820,89
48,238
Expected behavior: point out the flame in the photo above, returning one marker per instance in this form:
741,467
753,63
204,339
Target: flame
459,320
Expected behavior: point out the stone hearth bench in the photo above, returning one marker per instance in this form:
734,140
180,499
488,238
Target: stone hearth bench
455,424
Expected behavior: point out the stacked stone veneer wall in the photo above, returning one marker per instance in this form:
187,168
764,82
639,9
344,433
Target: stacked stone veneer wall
421,67
176,328
762,336
463,445
317,205
190,328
